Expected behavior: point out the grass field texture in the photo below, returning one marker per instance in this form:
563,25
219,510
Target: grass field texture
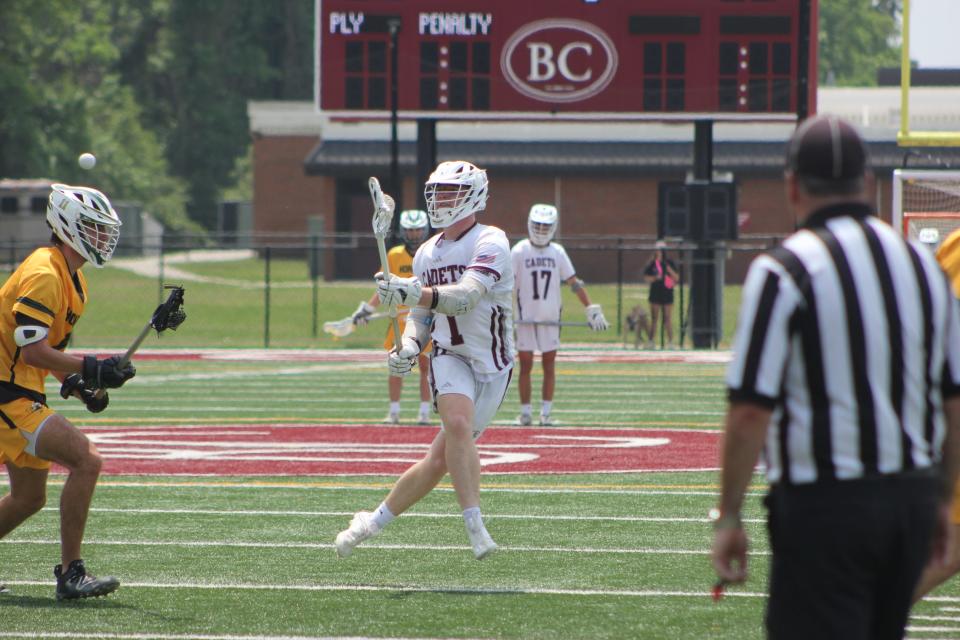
583,555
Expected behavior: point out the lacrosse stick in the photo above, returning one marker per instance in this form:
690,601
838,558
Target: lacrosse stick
554,323
383,207
343,328
168,315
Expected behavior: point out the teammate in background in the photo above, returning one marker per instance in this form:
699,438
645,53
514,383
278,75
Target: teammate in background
540,266
462,292
661,274
39,305
414,229
936,573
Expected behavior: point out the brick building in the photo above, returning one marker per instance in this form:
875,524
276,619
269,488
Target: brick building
603,176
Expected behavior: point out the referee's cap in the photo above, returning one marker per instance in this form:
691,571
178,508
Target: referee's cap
827,148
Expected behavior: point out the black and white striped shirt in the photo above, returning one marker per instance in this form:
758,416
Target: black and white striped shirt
852,336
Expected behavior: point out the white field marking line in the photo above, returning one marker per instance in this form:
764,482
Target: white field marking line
170,636
253,484
291,371
448,516
307,409
913,629
612,355
122,442
243,428
635,593
383,547
936,618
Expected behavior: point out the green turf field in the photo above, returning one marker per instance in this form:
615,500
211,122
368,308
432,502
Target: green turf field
583,556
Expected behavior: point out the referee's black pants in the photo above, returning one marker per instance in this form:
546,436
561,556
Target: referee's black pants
847,556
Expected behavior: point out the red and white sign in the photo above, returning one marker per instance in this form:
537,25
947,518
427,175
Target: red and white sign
559,60
320,450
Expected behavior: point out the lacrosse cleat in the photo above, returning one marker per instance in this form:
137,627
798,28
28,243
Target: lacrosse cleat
77,583
423,418
392,418
362,527
483,545
524,420
3,589
546,420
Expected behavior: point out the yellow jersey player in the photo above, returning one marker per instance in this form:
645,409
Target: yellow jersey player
936,573
39,305
414,229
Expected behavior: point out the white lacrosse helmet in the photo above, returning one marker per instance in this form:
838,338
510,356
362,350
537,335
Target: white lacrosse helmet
84,219
413,228
468,197
542,224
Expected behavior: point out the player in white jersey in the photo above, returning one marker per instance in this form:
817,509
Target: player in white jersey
462,291
540,267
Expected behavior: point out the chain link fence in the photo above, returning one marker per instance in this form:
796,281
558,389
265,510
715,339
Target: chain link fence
304,280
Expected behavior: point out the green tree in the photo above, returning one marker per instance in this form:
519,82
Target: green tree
856,38
63,96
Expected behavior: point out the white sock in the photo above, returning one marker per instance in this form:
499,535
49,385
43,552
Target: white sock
525,409
545,407
395,407
471,517
424,408
383,516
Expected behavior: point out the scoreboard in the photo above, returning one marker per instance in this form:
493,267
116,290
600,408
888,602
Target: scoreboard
567,59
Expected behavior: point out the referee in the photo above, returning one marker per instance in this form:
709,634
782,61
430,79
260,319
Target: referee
846,375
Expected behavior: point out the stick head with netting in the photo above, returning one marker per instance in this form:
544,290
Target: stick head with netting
170,314
383,208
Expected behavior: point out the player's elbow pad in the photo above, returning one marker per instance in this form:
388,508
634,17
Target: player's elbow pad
458,299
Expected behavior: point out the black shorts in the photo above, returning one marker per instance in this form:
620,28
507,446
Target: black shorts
846,558
659,294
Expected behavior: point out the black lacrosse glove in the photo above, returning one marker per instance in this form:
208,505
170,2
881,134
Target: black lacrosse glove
74,383
105,374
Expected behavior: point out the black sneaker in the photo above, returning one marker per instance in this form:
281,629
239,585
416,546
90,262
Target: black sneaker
3,589
77,583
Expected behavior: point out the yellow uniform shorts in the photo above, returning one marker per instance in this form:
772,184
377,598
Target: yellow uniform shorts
389,343
20,424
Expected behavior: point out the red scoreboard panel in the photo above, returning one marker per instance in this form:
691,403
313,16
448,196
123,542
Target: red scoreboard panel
569,59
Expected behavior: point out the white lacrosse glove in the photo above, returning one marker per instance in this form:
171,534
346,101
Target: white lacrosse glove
400,363
361,316
393,290
595,318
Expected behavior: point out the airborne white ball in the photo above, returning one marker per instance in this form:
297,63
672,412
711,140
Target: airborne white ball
87,160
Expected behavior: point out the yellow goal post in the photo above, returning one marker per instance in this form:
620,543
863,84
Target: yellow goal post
906,137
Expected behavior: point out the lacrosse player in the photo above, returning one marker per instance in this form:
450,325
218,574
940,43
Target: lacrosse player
462,292
414,229
39,305
939,570
540,267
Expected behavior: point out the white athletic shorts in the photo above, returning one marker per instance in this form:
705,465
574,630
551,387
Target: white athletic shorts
450,373
538,337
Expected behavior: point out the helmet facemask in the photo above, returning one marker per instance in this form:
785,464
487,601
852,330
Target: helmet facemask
454,191
84,220
414,229
542,224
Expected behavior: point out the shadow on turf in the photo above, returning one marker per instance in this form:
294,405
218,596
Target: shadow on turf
403,594
34,602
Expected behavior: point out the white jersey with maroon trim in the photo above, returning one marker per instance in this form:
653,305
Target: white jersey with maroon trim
540,273
484,335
